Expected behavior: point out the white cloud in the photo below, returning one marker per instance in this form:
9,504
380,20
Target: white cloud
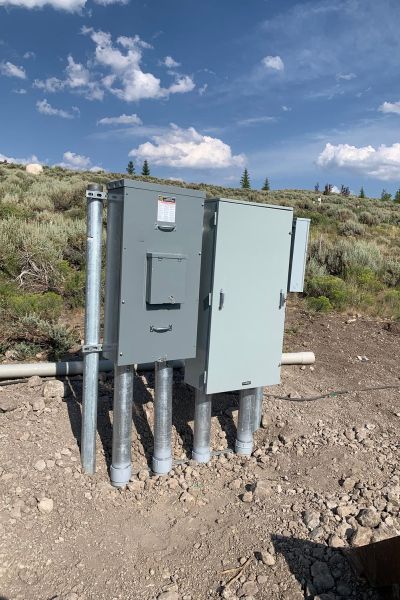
20,91
203,89
182,85
121,120
390,107
126,79
77,79
67,5
273,62
19,161
10,70
75,161
29,54
51,84
286,108
188,149
256,121
170,63
45,108
345,76
382,163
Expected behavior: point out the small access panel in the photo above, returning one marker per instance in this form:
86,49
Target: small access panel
244,280
154,237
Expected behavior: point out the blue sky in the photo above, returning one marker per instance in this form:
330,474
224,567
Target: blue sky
297,91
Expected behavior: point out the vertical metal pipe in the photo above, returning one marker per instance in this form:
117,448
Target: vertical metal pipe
202,427
257,414
162,455
92,330
121,467
244,437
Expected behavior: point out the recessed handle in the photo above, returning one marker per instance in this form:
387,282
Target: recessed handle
221,299
161,227
160,329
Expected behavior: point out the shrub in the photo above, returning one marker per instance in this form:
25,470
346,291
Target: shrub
391,302
329,286
47,305
350,228
59,337
320,304
391,275
368,218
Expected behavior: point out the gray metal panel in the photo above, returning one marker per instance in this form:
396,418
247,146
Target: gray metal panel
249,267
148,332
298,254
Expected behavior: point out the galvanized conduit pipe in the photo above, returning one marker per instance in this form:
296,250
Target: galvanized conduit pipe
202,427
257,408
121,465
162,454
245,425
75,367
92,330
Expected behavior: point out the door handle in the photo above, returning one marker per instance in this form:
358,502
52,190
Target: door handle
160,329
221,299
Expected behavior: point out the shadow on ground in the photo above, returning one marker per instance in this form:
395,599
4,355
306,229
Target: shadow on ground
143,392
325,573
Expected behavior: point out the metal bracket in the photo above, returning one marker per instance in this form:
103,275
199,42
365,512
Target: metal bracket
97,195
89,348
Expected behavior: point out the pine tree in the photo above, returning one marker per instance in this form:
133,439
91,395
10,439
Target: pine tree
245,180
266,187
362,193
130,169
386,196
328,189
145,168
397,197
316,187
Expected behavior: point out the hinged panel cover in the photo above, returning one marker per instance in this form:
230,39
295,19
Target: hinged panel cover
166,278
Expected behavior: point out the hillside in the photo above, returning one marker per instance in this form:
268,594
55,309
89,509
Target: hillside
354,255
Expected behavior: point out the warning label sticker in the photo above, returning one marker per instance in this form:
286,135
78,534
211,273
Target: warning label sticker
166,209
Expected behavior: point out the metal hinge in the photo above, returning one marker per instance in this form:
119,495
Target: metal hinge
205,377
88,348
282,299
215,218
98,195
210,299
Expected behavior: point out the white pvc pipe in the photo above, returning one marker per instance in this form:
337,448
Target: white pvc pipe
48,369
75,367
298,358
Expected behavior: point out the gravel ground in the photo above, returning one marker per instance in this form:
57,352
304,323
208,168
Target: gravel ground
324,476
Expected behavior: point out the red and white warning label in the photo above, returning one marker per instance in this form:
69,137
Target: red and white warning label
166,209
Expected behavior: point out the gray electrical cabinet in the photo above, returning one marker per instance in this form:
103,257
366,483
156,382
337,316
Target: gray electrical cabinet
298,254
154,238
244,281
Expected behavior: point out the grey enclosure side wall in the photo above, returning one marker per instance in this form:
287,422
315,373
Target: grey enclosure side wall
298,254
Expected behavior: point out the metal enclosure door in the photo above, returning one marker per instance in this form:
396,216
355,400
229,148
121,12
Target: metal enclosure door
248,300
